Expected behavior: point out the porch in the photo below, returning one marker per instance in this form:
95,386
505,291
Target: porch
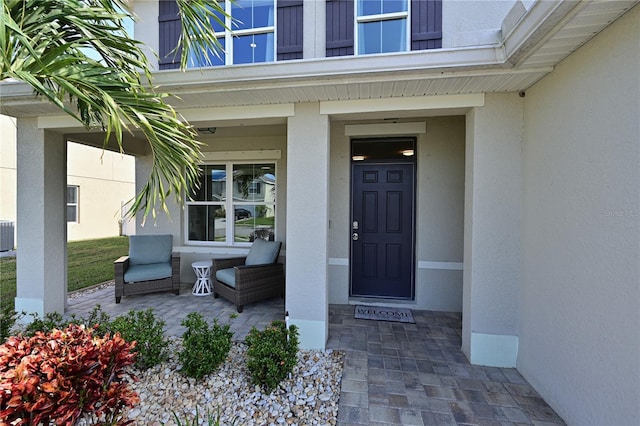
393,373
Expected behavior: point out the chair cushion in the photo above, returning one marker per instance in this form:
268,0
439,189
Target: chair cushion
145,249
263,252
150,271
227,276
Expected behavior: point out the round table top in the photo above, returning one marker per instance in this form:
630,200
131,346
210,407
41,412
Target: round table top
202,264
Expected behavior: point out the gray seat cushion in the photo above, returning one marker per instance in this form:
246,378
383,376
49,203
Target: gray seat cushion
227,276
148,272
263,252
145,249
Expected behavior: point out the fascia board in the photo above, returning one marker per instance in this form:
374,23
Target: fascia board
536,25
327,69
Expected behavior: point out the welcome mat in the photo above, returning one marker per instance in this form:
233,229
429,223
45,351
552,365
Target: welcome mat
378,313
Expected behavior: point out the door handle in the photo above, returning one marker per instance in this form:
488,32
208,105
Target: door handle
355,236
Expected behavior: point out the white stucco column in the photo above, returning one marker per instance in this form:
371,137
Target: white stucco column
307,224
492,246
42,233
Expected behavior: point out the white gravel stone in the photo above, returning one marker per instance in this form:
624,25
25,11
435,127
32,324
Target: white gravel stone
308,397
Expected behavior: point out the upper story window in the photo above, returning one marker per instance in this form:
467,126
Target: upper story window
381,26
360,27
252,39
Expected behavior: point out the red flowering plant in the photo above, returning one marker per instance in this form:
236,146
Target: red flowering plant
63,375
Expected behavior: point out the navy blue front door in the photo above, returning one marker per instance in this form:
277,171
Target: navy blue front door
382,230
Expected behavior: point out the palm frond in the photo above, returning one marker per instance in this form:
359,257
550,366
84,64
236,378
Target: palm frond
78,55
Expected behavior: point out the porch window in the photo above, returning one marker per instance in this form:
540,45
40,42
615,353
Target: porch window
381,26
235,213
72,203
252,37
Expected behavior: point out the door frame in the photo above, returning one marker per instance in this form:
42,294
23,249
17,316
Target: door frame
403,160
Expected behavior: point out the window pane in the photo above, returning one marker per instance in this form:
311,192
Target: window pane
253,48
218,25
254,221
385,149
198,59
249,14
254,182
212,184
378,7
382,36
207,223
72,213
392,6
72,194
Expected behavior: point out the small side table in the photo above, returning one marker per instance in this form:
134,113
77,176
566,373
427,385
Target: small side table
202,286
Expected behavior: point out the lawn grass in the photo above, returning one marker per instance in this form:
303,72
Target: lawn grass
89,262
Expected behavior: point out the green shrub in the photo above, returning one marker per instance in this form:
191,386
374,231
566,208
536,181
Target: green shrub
46,324
148,331
98,320
203,348
272,353
8,318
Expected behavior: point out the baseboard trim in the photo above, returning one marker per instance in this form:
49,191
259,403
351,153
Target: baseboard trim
494,350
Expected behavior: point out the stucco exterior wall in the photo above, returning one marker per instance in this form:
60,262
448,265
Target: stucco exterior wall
472,22
439,208
106,180
146,28
8,174
580,309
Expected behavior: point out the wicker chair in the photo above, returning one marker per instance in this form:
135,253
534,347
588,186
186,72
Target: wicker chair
150,267
249,279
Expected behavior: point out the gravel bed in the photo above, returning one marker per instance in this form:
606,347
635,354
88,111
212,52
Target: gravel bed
309,397
76,294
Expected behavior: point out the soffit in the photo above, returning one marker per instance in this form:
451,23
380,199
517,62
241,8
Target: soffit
350,88
581,24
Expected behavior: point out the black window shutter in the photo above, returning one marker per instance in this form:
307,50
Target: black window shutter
169,27
426,24
339,27
289,29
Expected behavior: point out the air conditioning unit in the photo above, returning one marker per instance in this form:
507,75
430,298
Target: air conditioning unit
6,235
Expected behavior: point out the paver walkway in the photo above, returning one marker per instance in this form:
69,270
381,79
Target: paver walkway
416,374
394,373
173,309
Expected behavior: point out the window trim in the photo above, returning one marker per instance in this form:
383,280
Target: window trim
231,35
406,15
229,204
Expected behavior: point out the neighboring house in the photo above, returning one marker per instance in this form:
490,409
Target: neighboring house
470,156
98,184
